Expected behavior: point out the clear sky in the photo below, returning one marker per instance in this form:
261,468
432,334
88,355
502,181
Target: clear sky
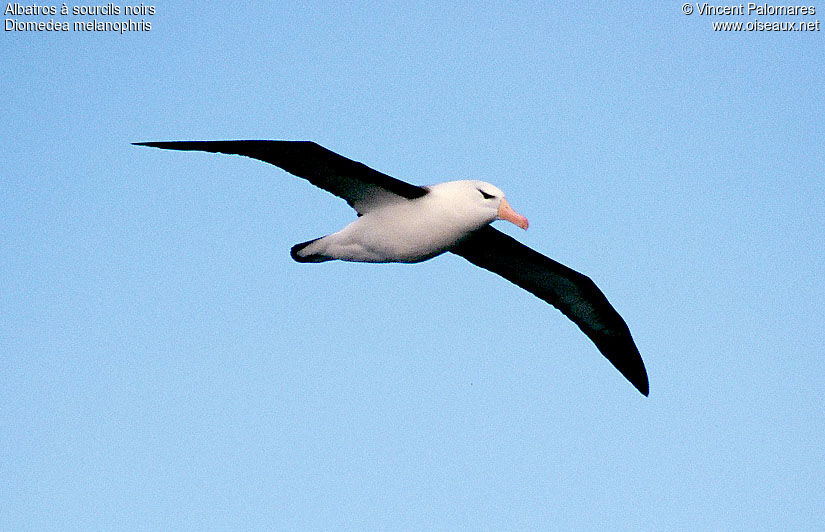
166,365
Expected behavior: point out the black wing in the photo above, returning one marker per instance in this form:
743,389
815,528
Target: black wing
361,186
569,291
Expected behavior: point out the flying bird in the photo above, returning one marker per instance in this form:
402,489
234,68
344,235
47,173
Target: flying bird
401,222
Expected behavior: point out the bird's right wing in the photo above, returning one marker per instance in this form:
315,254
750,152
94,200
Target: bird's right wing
361,186
569,291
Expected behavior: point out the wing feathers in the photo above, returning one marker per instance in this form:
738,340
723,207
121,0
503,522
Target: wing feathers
361,186
574,294
364,189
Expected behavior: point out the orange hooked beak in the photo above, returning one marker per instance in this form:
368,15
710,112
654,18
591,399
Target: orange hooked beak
505,212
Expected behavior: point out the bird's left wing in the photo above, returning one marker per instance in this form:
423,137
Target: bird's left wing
569,291
361,186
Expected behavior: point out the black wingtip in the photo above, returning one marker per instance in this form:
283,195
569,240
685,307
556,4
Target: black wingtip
637,377
151,144
173,144
622,352
643,387
633,369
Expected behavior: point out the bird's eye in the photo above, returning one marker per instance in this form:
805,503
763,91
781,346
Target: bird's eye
485,195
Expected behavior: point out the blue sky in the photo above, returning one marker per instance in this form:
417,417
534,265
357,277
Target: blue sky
167,365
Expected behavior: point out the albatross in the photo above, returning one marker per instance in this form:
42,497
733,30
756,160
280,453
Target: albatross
401,222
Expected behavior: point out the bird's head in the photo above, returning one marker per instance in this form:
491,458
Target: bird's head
473,204
491,200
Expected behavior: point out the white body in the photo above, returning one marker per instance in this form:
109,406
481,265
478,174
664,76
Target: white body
413,230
